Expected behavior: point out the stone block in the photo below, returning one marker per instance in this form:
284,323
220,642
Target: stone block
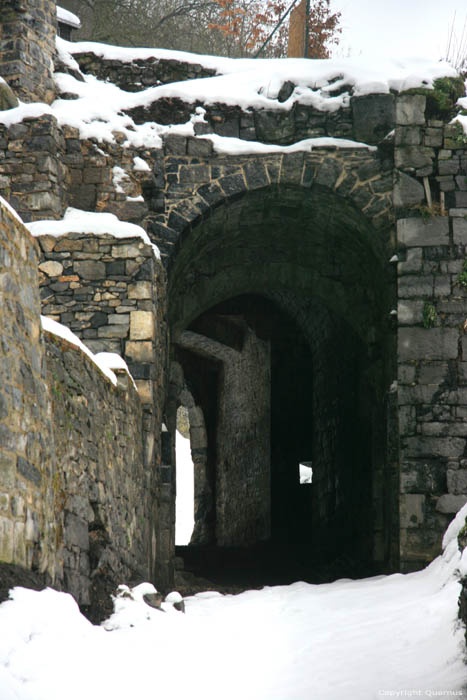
414,157
90,269
421,446
410,312
6,540
76,531
139,351
141,325
145,390
457,481
410,109
407,191
51,268
459,227
450,503
412,263
116,331
7,469
416,232
427,343
140,290
411,509
127,250
373,117
412,286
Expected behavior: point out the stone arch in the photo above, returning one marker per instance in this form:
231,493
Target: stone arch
302,274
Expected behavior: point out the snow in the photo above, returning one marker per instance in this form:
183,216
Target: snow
68,17
234,146
99,224
61,331
119,176
98,111
392,636
184,505
112,361
140,164
12,211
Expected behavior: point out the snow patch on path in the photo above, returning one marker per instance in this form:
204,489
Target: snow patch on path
388,635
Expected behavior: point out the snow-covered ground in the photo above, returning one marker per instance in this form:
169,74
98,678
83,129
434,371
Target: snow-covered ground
395,636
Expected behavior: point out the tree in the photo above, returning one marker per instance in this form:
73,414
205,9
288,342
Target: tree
247,24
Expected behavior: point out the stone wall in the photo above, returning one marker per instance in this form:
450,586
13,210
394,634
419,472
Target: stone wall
140,74
105,290
27,47
33,175
431,191
79,456
103,488
27,461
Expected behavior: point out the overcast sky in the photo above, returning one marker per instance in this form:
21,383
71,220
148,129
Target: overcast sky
398,27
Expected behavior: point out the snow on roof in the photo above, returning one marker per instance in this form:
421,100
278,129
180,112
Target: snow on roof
67,17
99,224
12,211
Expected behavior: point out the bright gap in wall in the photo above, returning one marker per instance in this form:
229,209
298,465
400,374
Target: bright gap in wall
184,505
305,472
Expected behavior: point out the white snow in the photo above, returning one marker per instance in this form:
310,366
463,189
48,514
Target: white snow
184,505
99,224
388,636
119,176
12,211
58,329
112,361
68,17
228,144
98,111
140,164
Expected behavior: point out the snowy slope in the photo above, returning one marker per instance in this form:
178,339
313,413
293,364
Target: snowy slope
392,636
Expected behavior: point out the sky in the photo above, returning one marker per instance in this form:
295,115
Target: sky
398,27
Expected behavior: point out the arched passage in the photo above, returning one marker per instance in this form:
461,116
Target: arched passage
279,308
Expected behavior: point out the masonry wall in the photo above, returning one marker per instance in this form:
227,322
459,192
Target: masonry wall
27,459
79,456
432,238
27,47
103,488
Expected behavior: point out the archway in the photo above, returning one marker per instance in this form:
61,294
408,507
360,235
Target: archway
280,302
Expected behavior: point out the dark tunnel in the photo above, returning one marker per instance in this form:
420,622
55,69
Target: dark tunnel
279,315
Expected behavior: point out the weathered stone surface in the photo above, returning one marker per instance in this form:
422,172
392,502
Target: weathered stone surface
416,232
141,325
51,268
407,191
8,99
457,481
373,117
450,504
429,343
410,110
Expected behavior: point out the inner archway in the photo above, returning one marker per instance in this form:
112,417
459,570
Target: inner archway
279,301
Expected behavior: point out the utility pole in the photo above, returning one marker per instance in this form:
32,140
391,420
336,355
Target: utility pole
307,29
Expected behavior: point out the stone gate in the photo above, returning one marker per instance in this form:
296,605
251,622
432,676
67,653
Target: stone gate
310,305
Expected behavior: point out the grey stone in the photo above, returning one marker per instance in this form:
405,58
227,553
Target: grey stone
429,343
8,99
407,191
373,117
459,227
457,481
416,232
410,109
29,471
449,503
90,270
